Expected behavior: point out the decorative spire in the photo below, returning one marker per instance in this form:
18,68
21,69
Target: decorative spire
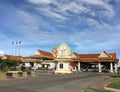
54,50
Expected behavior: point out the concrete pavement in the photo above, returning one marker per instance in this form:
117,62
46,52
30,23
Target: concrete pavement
47,82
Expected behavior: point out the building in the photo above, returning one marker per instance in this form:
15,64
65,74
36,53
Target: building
63,61
11,57
41,59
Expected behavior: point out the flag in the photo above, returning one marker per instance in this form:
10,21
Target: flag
20,42
12,42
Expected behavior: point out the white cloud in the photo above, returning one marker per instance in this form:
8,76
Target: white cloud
40,1
53,36
29,21
71,6
93,2
1,52
49,13
77,6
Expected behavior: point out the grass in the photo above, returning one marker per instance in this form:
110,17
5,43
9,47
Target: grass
115,84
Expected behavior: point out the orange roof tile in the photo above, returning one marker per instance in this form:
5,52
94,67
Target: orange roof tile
45,53
1,57
88,55
11,57
113,55
76,54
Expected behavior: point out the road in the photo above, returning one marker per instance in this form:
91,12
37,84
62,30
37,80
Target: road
46,82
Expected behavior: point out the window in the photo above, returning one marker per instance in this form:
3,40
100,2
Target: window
61,66
63,51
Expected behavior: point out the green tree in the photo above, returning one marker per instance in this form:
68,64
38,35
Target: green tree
8,64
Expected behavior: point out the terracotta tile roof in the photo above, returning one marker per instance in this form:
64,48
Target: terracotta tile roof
88,55
45,53
76,54
113,55
11,57
1,57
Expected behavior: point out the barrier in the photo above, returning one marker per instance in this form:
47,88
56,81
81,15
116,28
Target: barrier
2,76
17,74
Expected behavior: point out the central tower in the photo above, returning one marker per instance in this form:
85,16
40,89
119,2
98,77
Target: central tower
63,59
63,51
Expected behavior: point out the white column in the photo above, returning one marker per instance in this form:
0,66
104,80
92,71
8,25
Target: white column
111,67
79,66
115,67
58,65
67,66
99,65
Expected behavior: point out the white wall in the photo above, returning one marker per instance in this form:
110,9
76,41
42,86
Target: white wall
27,65
66,66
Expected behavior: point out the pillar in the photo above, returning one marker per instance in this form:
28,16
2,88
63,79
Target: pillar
79,66
111,67
25,74
33,74
115,67
99,66
95,67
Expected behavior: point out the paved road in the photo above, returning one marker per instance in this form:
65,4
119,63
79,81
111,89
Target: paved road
46,82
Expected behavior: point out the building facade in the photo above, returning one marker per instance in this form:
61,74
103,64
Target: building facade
63,61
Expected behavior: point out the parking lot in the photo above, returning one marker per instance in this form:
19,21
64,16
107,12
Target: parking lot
48,82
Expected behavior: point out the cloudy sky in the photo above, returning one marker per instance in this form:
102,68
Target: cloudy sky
87,26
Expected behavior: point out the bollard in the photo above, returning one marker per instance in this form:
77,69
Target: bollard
25,74
14,75
33,74
3,76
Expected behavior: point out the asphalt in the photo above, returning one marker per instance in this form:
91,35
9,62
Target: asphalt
48,82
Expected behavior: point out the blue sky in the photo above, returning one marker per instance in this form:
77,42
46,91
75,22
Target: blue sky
87,26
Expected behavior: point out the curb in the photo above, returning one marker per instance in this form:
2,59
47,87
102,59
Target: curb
111,89
107,88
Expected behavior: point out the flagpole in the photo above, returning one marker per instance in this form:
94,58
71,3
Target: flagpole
12,47
16,48
19,46
19,49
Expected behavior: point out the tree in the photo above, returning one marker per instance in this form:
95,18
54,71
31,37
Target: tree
10,64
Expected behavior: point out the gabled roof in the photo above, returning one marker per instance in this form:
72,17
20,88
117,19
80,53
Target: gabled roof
112,55
76,54
45,53
104,54
11,57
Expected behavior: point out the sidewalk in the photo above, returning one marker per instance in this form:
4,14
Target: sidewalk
103,85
